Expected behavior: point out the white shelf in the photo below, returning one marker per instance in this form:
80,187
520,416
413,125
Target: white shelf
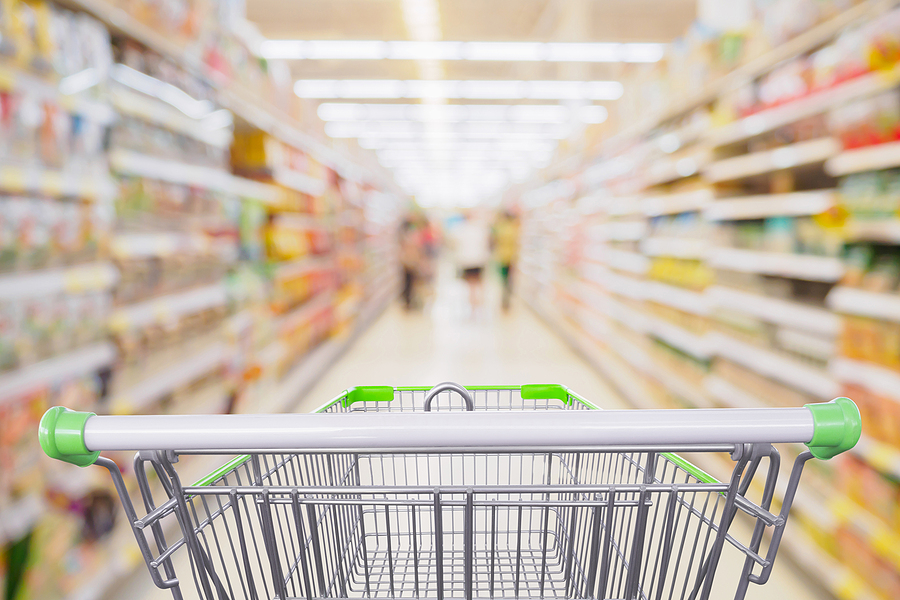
870,158
35,179
881,380
881,456
302,314
776,366
781,264
55,370
785,157
877,305
676,247
143,165
159,385
698,346
731,395
673,382
298,267
794,204
134,245
808,106
681,202
300,182
689,301
17,519
626,231
135,104
774,310
168,309
882,230
668,169
621,206
620,284
623,260
93,277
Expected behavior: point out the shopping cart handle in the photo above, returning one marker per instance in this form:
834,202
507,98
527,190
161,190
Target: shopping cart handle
827,429
449,385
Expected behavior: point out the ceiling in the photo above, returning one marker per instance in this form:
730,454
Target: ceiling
622,21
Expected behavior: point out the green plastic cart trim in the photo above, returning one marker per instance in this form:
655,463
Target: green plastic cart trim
223,470
542,391
61,434
837,427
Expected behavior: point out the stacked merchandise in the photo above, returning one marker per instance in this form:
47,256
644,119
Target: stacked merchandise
775,249
139,274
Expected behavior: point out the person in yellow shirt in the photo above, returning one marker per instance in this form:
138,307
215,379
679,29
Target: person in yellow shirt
506,250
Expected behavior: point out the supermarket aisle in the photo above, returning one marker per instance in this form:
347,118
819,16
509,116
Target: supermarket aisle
446,343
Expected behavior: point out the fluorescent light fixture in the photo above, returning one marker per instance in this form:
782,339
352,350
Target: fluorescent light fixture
469,89
425,27
341,49
424,50
473,129
504,51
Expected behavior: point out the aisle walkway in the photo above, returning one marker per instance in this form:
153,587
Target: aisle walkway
445,342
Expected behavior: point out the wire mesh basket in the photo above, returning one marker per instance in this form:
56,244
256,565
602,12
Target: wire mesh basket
507,494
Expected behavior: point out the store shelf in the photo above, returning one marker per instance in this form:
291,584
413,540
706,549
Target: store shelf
885,231
306,311
632,262
881,380
147,108
776,366
774,310
296,268
785,157
46,89
795,204
300,182
93,277
38,180
626,231
55,370
681,387
870,158
730,395
810,39
689,301
19,517
136,164
159,385
169,308
877,305
681,202
882,457
676,247
814,104
780,264
835,577
621,206
667,170
621,285
698,346
137,245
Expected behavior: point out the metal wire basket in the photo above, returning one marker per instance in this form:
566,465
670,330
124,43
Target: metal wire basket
523,498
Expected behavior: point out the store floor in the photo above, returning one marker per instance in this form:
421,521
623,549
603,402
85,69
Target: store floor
445,341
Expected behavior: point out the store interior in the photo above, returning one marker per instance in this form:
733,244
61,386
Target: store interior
214,206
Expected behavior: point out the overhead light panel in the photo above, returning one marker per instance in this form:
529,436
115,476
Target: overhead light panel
431,48
475,89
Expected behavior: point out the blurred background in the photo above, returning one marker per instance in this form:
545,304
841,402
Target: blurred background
244,206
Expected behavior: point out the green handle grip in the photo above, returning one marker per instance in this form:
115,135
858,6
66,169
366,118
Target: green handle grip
838,427
61,434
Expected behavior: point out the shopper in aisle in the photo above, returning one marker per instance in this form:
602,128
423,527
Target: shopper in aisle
473,251
505,240
410,259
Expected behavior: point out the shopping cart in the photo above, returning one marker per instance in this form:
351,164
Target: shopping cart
507,492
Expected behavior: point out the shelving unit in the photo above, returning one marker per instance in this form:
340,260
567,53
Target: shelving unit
179,297
740,283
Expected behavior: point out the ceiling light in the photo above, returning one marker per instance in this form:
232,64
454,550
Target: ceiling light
424,26
470,89
504,51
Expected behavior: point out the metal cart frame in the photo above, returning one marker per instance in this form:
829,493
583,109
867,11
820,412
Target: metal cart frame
508,492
